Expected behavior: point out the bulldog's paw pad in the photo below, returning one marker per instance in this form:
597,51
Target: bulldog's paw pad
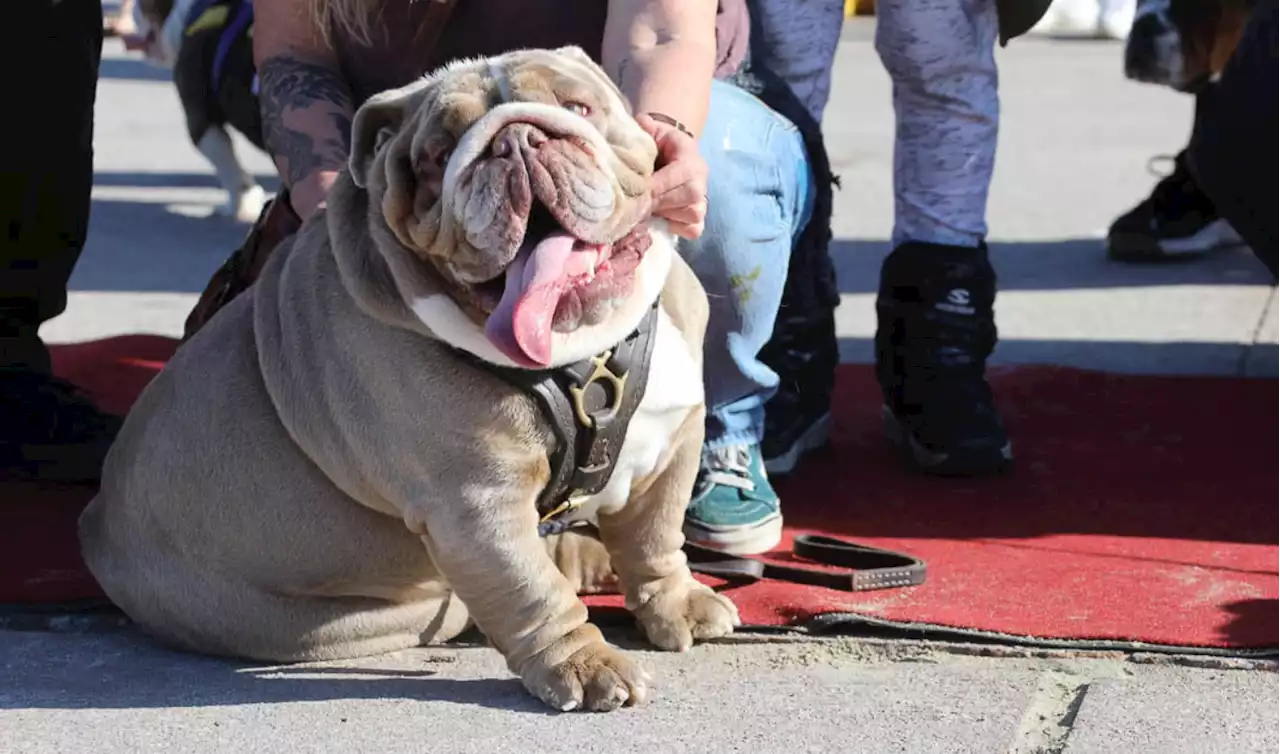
673,621
595,678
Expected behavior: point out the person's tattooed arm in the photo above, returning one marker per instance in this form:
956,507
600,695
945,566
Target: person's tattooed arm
306,123
662,55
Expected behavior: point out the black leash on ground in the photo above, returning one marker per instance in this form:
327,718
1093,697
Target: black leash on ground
850,567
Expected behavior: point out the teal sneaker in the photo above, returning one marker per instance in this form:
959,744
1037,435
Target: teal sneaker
734,508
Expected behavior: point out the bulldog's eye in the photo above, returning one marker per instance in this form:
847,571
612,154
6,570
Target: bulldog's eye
577,108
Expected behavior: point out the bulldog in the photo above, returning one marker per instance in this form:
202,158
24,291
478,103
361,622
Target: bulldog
340,463
1183,44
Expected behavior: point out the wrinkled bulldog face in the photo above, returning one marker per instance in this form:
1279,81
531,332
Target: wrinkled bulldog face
1183,44
523,181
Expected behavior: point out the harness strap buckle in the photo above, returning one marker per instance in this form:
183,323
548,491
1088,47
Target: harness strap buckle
601,372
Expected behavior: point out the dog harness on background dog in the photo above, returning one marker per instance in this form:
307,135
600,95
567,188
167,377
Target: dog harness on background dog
235,17
589,405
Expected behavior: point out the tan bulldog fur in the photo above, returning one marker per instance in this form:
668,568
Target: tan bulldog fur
317,475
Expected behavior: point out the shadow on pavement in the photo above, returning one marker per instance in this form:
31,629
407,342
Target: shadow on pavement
149,676
150,247
132,69
270,182
1075,263
158,246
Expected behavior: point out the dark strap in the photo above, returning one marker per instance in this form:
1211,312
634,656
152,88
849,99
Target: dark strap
866,568
242,20
589,405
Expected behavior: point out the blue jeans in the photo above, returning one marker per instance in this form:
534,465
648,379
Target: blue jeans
759,197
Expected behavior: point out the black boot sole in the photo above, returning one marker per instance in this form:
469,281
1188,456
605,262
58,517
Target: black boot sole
988,460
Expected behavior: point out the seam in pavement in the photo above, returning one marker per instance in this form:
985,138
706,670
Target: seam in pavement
1242,364
1050,714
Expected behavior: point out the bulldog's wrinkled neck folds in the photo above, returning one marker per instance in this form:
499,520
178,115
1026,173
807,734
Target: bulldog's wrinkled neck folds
514,192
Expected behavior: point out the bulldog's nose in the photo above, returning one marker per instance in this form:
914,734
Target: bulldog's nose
517,138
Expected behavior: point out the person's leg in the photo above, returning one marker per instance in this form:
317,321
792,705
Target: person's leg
935,307
798,41
793,46
1236,134
1176,221
760,194
46,174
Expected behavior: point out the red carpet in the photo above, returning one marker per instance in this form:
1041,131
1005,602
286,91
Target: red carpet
1142,509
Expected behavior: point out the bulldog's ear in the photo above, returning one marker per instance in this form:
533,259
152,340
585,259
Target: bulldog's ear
377,120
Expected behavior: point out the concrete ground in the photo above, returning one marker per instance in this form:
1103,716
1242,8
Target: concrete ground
115,693
1075,142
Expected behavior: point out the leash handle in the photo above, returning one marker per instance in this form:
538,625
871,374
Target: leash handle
865,568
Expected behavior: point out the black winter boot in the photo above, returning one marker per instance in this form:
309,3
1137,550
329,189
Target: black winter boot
936,328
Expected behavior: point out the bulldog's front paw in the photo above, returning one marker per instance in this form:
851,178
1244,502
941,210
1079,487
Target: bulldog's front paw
674,618
596,678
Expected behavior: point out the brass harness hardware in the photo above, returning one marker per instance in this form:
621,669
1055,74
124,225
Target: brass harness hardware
592,419
617,383
574,501
586,439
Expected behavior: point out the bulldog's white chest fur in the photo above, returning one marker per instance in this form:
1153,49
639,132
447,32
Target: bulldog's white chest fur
675,386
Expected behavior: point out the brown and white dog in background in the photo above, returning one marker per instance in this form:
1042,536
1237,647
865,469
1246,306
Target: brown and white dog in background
1183,44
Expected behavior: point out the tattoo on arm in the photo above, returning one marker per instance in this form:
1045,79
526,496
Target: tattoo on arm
306,116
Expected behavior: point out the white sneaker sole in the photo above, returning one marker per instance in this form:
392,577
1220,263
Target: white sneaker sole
1216,235
739,540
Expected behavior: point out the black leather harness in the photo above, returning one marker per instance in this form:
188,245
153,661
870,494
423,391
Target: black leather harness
589,405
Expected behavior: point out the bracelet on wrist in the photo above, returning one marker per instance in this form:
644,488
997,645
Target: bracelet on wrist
664,118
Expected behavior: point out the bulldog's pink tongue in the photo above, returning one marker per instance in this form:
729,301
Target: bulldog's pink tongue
520,326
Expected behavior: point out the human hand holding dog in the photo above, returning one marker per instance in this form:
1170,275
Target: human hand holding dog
679,185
